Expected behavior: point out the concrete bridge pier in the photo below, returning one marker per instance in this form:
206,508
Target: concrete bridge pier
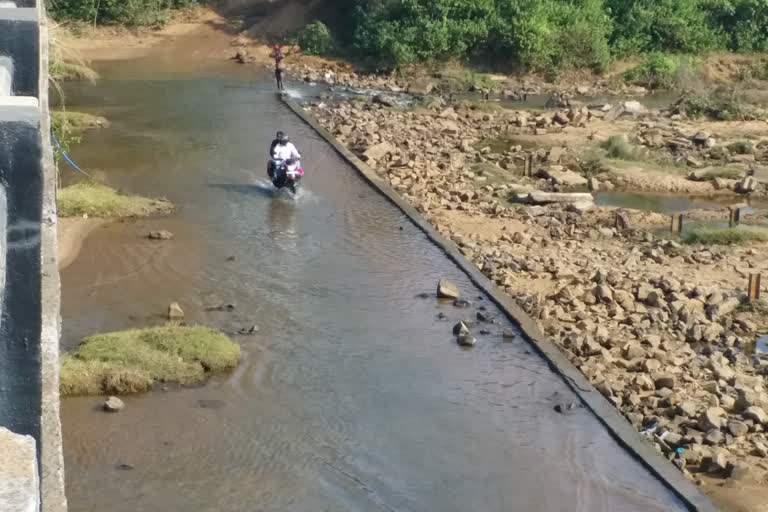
31,462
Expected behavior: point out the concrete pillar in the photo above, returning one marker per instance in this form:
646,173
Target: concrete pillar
6,76
21,173
19,41
19,481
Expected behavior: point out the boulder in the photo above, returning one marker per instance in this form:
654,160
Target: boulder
508,334
687,409
113,404
378,152
747,185
175,312
385,100
160,235
553,197
737,470
460,329
756,414
737,428
664,380
466,340
447,290
712,418
565,178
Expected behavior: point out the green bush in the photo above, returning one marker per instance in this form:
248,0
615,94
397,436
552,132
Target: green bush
661,71
620,148
720,104
316,39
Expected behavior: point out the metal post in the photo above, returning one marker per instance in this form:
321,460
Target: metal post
677,223
734,217
753,286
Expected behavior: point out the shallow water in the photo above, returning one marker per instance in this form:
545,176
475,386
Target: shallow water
674,203
353,395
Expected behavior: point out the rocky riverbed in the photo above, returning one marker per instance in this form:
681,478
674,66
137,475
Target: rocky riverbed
664,330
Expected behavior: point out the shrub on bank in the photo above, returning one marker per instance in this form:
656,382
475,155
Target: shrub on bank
662,71
131,361
97,200
726,236
316,39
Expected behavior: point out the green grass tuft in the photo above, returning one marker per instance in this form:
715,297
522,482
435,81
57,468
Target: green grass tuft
726,236
620,148
76,121
130,361
96,200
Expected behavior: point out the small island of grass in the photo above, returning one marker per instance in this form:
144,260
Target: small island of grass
132,361
97,200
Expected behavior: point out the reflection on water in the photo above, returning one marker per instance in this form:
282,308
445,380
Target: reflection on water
353,396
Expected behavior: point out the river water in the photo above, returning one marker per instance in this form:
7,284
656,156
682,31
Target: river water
353,396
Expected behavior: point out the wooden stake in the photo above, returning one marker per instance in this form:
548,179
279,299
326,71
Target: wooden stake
735,217
677,223
753,286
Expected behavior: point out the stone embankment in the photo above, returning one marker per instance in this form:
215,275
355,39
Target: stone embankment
663,330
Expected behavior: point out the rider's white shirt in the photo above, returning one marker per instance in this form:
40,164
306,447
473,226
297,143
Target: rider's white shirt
285,151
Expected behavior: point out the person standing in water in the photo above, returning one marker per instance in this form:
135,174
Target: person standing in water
277,54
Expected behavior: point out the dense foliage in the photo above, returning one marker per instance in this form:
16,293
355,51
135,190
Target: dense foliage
548,34
315,39
536,34
126,12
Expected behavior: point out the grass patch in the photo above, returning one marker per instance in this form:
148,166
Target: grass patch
63,71
75,121
726,236
97,200
131,361
741,148
726,173
592,165
721,104
620,148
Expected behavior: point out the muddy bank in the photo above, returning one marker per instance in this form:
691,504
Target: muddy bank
662,329
72,233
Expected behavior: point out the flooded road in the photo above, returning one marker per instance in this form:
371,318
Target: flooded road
353,396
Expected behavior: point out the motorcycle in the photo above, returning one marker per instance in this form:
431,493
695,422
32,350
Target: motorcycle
285,173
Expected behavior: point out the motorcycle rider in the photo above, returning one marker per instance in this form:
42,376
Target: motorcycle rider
283,151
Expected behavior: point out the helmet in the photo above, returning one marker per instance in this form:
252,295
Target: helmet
284,139
279,135
277,47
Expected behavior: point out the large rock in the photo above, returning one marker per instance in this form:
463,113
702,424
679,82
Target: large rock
664,380
19,481
565,178
447,290
460,328
160,235
175,312
712,418
553,197
723,308
113,404
756,414
747,185
378,152
737,428
466,340
737,470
